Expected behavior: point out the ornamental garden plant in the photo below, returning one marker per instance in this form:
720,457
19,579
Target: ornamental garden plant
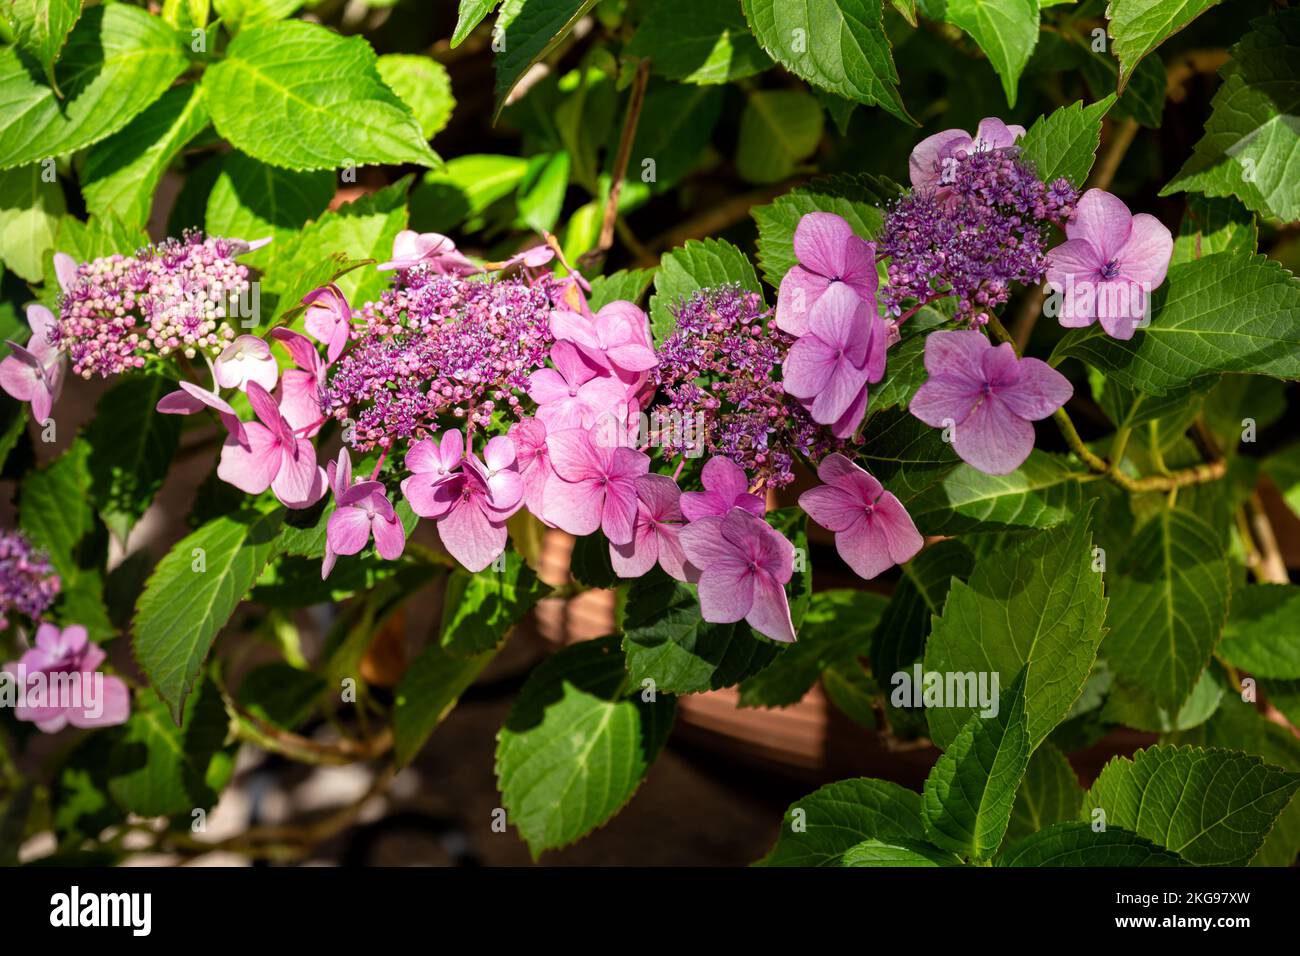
934,359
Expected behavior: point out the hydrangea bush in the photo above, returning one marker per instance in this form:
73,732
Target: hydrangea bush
982,457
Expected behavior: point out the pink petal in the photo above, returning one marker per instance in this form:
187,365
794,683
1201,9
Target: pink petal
843,388
300,401
1038,392
42,322
1145,257
995,134
945,399
574,456
1103,220
470,537
864,548
808,366
955,353
348,530
264,407
573,327
618,513
430,497
300,482
390,537
299,347
65,270
837,469
251,465
574,507
831,507
498,453
637,556
114,704
800,291
925,165
661,497
671,556
904,541
822,243
19,379
726,590
993,438
769,614
703,543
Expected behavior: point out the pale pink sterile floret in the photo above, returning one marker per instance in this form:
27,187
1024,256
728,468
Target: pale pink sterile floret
830,254
655,536
269,455
34,373
594,485
62,683
725,487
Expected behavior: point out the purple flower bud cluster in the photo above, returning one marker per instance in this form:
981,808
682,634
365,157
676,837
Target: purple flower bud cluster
440,345
28,583
985,228
118,311
723,361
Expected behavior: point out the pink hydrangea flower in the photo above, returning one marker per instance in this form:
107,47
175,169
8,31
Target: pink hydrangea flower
269,455
430,249
499,472
931,163
742,565
190,399
80,696
873,531
1109,264
655,534
246,359
575,392
594,487
35,374
616,337
328,319
432,463
529,437
829,254
987,397
300,388
362,510
829,367
725,487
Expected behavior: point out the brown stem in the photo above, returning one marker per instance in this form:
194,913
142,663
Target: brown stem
1121,139
625,141
1271,568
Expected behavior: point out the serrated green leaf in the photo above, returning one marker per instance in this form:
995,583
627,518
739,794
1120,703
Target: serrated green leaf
820,828
131,450
899,640
1214,225
1212,807
423,84
30,209
1263,631
1252,138
853,691
574,749
1077,844
1006,30
698,41
528,30
1064,142
296,95
699,264
1224,313
969,793
1048,794
123,171
906,455
667,641
41,27
628,285
676,125
237,14
838,45
1040,604
837,627
858,198
470,15
428,691
877,853
480,608
192,593
1167,606
117,61
1041,493
1139,26
1134,707
541,191
778,129
463,190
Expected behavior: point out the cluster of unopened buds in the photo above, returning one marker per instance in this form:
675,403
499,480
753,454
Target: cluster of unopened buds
501,389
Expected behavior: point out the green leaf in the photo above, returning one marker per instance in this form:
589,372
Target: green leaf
54,508
1214,225
1134,707
667,642
858,198
852,690
1006,30
528,30
1263,631
132,447
192,593
480,608
422,83
1251,147
280,693
469,16
906,455
296,95
1076,844
698,41
1143,98
238,14
30,209
969,793
1040,604
118,60
778,129
877,853
1064,143
463,190
1139,26
838,45
362,229
1041,493
1212,807
428,691
837,627
1227,312
1048,794
123,171
541,192
819,829
899,640
41,27
158,768
676,126
1168,606
1284,468
628,285
251,200
574,748
699,264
